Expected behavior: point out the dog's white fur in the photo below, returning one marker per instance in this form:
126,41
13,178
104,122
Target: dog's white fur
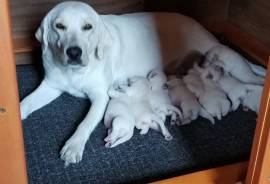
235,89
252,99
214,100
235,64
117,47
138,94
159,96
184,99
119,120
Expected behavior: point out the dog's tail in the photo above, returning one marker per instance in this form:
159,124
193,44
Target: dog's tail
251,87
258,70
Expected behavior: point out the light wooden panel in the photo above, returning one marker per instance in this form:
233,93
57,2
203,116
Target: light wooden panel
27,14
12,161
253,16
229,174
259,165
239,38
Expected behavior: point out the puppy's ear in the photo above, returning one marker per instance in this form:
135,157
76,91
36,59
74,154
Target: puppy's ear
199,69
104,42
42,33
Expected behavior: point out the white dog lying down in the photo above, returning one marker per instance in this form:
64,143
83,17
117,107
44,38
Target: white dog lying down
252,99
214,100
118,119
138,94
84,53
159,96
235,89
235,64
181,97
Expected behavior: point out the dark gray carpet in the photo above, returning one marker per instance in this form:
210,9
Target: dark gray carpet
196,146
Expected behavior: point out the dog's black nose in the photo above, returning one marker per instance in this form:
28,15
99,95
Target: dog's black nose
74,53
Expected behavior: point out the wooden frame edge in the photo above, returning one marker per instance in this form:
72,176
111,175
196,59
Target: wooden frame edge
12,161
228,174
258,169
241,39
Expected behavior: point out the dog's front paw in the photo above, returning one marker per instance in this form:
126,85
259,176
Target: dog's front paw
72,152
24,110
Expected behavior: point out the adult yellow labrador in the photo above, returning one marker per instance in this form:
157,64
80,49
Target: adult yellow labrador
84,53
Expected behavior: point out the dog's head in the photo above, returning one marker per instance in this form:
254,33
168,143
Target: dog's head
74,33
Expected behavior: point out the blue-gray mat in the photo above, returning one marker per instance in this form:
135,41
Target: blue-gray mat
196,146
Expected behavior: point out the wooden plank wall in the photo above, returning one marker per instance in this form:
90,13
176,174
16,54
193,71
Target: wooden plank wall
209,10
253,16
27,14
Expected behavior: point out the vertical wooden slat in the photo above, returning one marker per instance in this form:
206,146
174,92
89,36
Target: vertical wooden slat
12,160
259,164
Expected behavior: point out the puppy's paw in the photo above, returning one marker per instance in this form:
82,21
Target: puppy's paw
168,137
144,131
108,145
72,152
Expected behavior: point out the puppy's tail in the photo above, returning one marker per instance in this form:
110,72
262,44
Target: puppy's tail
251,87
258,70
203,113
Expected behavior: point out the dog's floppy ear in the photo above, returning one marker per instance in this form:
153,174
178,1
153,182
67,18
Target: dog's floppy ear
104,40
42,33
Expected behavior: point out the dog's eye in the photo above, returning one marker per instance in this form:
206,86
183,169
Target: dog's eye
60,26
87,27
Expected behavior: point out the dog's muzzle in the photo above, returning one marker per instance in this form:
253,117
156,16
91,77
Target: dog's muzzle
74,54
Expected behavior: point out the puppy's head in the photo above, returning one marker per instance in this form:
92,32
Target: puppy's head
138,84
74,33
211,72
157,79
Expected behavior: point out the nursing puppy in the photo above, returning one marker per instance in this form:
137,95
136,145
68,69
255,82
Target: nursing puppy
84,53
194,82
252,99
145,118
235,89
214,100
181,97
118,119
159,96
235,64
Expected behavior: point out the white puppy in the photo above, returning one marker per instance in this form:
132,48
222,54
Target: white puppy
84,53
214,100
252,99
235,64
181,97
194,82
118,119
235,89
145,118
159,96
